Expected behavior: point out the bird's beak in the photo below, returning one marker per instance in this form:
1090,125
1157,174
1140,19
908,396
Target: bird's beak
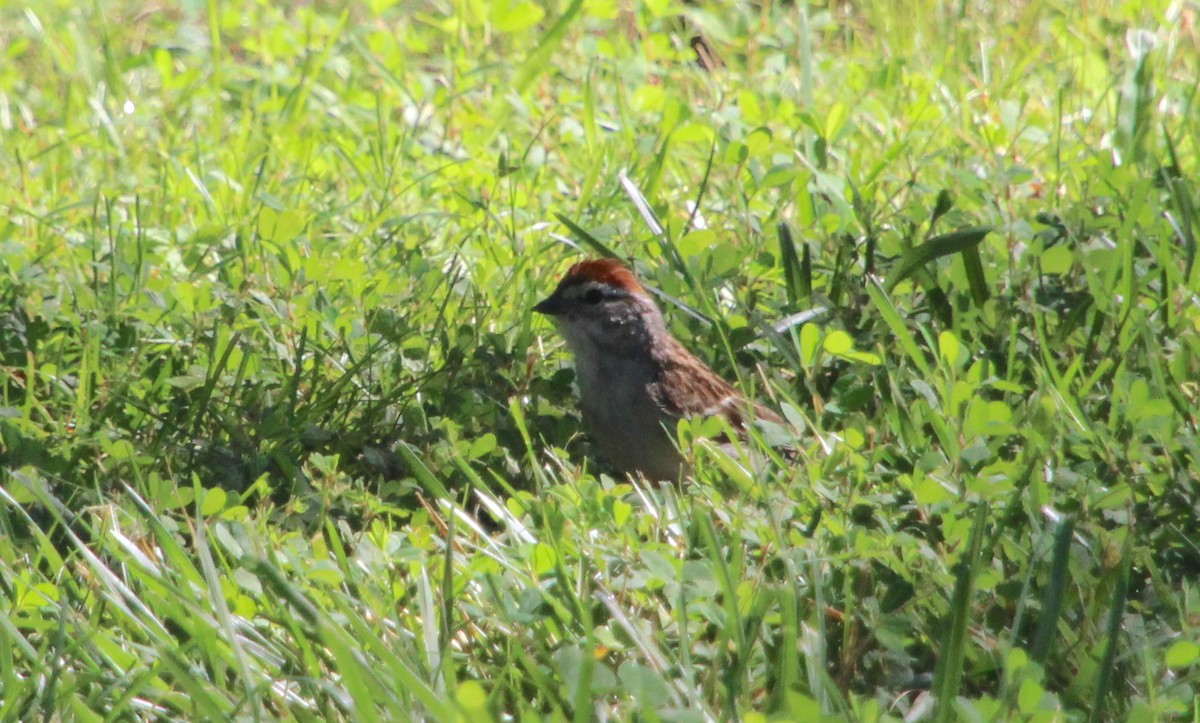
550,306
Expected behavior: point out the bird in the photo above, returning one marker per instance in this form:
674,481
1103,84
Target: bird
635,379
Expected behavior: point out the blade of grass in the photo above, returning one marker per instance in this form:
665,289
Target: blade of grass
1056,588
1181,196
588,239
797,274
891,316
1105,674
698,201
976,279
935,248
947,676
424,475
537,63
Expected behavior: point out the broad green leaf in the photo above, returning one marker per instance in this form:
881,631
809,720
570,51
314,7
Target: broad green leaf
514,17
1182,653
1057,260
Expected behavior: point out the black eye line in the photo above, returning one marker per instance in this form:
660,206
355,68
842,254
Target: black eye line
593,294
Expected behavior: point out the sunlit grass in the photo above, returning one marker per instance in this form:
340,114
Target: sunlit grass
281,437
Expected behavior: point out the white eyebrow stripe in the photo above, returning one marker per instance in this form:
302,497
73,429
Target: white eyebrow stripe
577,291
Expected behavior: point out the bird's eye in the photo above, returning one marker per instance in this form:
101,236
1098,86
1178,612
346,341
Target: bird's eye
593,296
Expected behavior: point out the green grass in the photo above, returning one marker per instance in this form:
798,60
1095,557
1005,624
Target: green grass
282,439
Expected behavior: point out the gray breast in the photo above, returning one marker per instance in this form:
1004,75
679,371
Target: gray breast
627,423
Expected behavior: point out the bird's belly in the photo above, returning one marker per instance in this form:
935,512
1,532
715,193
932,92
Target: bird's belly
633,433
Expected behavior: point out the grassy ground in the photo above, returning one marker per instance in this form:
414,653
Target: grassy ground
281,437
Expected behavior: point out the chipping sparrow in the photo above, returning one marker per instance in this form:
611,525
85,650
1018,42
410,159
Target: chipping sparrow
635,380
